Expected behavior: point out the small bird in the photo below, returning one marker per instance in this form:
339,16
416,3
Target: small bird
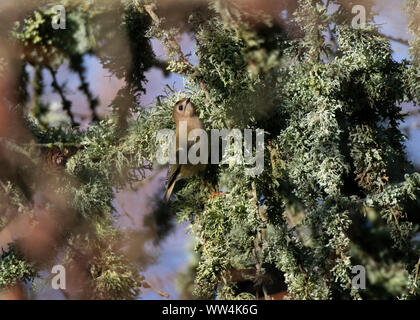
183,111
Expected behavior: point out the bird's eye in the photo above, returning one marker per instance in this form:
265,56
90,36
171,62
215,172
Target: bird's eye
180,108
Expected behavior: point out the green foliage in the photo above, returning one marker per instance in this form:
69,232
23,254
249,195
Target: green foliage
337,189
413,9
14,268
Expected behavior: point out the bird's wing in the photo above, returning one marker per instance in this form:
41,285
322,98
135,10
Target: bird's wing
173,173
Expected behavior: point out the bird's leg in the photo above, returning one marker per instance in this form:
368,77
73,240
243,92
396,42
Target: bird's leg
206,186
213,192
217,194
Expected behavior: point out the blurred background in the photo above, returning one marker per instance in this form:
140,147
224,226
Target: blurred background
174,253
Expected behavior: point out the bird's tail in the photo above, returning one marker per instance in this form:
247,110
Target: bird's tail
173,176
169,191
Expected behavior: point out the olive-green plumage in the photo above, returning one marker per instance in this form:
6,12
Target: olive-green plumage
183,111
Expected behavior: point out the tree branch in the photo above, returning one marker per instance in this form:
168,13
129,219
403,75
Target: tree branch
172,45
60,91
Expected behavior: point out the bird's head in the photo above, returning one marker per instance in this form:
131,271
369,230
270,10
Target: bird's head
183,109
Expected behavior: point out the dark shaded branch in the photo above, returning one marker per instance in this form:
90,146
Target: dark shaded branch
84,87
60,90
162,65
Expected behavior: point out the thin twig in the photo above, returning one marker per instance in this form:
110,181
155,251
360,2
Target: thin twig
159,292
18,149
126,213
400,40
417,276
173,45
260,238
